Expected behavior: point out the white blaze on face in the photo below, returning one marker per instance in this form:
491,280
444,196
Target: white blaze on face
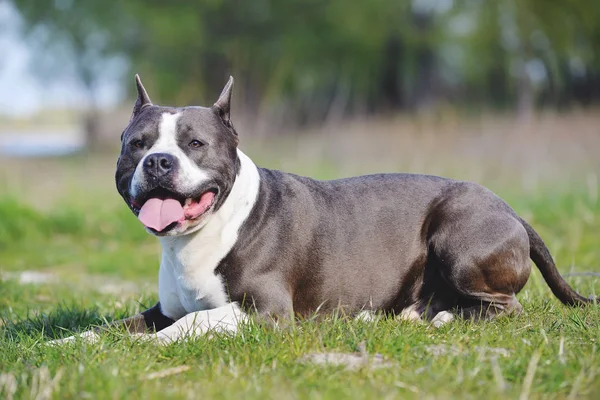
189,175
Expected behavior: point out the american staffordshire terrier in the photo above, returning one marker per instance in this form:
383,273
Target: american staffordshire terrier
237,238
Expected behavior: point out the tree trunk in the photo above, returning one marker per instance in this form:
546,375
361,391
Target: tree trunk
425,95
92,129
525,93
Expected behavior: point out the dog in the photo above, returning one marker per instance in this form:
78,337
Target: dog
238,239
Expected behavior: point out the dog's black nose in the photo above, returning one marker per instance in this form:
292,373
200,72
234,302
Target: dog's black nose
159,164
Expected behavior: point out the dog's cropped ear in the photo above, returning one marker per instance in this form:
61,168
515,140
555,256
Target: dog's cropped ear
223,106
143,99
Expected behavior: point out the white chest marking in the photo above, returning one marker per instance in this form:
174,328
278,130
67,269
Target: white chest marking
187,280
189,175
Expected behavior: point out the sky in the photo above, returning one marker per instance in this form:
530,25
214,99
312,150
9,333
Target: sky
23,91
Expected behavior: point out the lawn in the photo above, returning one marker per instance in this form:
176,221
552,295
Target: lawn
72,256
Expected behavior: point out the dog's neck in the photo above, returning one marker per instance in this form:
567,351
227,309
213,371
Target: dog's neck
221,230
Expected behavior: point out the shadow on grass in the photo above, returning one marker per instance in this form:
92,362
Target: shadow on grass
58,323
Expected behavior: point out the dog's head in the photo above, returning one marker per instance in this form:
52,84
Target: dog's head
177,165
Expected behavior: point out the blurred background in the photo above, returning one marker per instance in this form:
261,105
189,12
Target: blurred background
502,92
299,63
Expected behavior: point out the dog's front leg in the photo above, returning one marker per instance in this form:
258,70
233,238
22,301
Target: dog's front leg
222,319
152,320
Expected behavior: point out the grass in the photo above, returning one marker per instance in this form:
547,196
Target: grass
72,256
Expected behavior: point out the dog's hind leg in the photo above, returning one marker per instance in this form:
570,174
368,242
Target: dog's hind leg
487,286
479,310
481,250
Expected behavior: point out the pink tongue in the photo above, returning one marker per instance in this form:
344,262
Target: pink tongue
158,214
195,209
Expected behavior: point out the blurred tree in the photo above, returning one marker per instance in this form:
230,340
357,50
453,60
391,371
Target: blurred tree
73,37
310,60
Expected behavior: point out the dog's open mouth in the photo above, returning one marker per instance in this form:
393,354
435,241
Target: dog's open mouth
162,210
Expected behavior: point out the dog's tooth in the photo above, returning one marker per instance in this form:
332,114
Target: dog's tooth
188,202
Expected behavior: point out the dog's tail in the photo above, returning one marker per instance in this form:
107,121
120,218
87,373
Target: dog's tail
540,255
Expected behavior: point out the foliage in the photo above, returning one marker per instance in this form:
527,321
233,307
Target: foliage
320,58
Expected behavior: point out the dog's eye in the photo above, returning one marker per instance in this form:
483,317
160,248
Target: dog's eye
138,144
196,144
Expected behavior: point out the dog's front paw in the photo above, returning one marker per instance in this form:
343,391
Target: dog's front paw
87,337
